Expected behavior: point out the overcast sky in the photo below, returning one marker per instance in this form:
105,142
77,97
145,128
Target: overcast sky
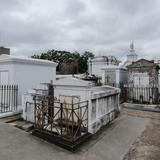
105,27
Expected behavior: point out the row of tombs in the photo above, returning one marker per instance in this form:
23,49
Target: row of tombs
70,109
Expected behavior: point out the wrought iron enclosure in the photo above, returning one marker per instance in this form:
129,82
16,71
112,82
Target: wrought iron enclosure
65,122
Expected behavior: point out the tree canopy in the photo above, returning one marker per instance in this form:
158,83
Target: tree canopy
65,57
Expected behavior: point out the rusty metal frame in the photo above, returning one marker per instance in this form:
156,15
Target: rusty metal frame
66,123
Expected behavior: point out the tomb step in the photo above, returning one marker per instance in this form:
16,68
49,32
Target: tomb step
26,126
11,118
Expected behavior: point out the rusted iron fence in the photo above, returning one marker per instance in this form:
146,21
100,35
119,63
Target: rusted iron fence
68,122
138,94
8,98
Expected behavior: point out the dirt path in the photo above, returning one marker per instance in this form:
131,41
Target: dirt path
147,146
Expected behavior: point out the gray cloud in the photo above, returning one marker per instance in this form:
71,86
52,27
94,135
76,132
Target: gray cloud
101,26
74,8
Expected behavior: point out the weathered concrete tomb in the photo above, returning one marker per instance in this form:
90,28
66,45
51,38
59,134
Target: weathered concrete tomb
75,110
17,75
143,73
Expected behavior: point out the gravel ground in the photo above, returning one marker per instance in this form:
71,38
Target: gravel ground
147,146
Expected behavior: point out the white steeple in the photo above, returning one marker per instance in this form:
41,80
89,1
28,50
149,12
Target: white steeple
131,56
132,46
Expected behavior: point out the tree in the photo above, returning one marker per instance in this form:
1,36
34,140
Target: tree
83,62
76,62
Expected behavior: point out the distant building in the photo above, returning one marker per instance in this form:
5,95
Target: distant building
4,50
131,56
143,73
114,76
96,64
